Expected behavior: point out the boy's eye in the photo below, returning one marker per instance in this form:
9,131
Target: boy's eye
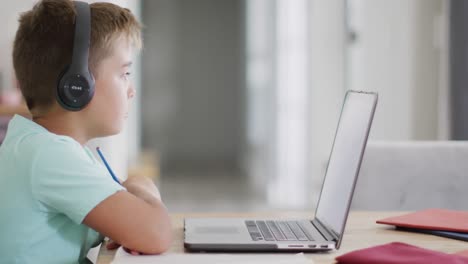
126,75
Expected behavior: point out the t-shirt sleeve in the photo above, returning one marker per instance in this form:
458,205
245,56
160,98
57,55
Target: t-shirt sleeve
66,180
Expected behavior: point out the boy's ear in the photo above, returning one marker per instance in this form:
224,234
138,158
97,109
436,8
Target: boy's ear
16,82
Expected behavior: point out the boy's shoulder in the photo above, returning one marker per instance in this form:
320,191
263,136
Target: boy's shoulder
26,138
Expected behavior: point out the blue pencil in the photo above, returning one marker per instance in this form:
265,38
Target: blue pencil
107,166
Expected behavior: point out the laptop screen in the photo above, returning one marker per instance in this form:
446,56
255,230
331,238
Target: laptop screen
345,159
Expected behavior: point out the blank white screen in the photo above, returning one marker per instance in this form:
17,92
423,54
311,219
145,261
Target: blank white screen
343,167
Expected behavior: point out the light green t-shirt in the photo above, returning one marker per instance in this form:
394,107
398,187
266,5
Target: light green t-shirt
48,184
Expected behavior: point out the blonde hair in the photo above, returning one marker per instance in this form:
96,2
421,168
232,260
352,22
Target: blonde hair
44,40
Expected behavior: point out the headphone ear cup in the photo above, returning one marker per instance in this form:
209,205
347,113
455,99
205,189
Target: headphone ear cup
60,93
75,86
74,91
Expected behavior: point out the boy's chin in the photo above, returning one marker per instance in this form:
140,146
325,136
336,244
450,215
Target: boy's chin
110,131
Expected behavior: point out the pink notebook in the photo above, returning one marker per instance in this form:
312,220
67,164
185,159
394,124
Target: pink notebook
431,219
399,253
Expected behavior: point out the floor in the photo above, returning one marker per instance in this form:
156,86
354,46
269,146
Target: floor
215,190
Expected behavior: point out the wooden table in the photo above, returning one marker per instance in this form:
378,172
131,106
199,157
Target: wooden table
9,110
361,232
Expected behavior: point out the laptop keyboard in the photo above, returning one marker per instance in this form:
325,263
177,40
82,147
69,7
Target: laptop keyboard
277,231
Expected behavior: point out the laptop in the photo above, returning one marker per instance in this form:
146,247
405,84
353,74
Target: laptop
322,233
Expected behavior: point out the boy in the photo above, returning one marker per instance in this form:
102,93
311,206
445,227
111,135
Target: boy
55,197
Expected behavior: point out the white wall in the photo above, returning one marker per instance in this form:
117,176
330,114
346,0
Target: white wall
401,52
193,80
293,102
259,155
327,85
9,13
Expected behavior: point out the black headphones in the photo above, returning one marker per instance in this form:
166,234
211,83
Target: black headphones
75,87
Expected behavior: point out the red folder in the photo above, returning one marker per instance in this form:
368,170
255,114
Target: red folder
431,219
399,253
462,253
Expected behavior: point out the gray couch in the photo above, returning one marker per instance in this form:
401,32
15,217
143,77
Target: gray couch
413,175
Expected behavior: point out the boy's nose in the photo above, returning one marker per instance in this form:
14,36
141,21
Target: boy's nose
131,92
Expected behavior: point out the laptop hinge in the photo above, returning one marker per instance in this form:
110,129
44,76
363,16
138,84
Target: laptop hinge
327,233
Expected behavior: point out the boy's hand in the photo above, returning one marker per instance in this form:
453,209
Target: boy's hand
111,245
143,188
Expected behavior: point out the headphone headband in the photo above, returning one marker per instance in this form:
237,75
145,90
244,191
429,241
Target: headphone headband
75,87
82,37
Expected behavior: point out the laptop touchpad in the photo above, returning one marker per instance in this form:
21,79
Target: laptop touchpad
217,230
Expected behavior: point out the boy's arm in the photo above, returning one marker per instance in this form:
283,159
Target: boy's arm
137,219
143,188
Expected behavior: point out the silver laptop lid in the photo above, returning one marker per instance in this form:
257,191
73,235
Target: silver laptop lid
345,160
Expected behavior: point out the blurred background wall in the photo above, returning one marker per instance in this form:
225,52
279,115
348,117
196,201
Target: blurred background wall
238,100
193,74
